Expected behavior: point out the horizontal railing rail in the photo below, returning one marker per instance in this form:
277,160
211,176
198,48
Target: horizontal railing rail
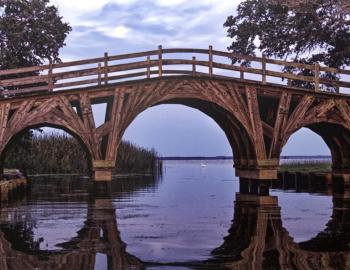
187,61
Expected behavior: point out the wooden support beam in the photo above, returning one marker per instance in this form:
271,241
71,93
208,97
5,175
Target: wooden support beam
295,120
344,110
90,126
256,123
280,122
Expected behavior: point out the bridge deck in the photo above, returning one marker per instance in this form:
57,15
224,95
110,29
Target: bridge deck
102,71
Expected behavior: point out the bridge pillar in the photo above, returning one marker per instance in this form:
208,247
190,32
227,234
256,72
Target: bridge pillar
258,169
103,170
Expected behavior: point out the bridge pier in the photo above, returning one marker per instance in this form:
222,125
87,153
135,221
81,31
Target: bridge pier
257,169
258,174
254,187
102,170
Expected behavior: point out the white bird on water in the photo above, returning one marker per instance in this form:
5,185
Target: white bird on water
203,165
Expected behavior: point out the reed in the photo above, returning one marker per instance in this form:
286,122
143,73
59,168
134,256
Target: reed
61,153
307,166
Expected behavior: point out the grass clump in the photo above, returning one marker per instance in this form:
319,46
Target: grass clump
306,166
60,153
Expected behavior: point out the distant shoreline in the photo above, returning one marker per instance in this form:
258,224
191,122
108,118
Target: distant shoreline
230,157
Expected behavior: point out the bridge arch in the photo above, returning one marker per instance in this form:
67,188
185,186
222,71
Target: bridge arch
13,137
239,140
225,104
336,136
327,116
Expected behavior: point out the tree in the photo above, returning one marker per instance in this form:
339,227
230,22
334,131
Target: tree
31,32
303,31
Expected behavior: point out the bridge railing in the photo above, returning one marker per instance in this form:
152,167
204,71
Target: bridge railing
157,63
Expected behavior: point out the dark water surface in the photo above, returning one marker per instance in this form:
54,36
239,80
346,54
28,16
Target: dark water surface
192,218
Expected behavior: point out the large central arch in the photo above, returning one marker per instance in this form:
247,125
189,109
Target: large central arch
237,114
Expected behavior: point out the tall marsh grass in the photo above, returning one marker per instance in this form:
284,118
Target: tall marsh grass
307,166
61,153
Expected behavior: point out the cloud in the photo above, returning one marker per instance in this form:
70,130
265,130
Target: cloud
130,25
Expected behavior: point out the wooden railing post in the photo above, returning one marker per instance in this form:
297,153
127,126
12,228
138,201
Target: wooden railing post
289,81
148,67
193,66
263,65
210,61
241,73
160,61
106,68
50,79
317,77
99,73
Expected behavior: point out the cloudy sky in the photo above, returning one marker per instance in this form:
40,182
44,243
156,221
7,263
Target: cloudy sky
121,26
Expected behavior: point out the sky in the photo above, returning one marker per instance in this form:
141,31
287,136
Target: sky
122,26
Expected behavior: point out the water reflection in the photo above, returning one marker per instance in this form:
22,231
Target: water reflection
97,245
252,237
60,224
336,236
258,240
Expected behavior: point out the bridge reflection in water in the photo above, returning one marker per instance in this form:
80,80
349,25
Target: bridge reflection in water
256,239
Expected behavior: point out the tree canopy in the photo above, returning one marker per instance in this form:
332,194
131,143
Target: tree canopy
304,31
31,31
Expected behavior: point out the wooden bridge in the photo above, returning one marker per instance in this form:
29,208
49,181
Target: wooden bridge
258,107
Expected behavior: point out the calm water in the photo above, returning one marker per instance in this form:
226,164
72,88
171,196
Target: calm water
192,218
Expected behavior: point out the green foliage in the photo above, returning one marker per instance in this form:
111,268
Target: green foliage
31,31
307,166
306,31
49,154
132,158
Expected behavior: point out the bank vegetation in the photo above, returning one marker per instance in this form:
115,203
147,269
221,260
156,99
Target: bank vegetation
42,153
306,166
